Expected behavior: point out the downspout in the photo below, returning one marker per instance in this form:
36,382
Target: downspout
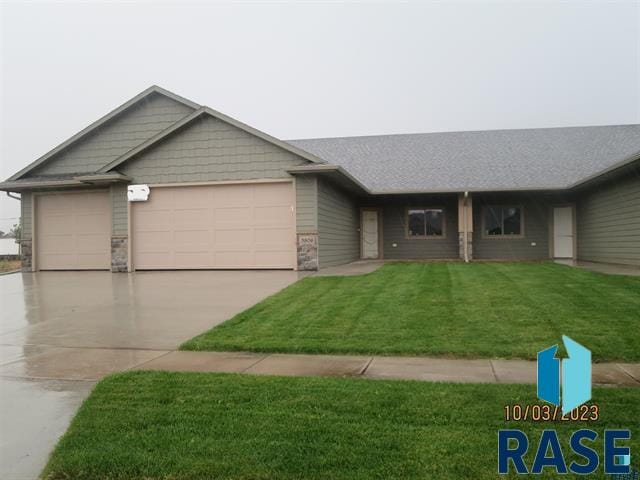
11,196
464,227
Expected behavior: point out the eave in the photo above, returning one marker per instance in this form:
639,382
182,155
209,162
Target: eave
76,181
333,172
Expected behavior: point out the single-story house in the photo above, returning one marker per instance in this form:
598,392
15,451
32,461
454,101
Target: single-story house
225,195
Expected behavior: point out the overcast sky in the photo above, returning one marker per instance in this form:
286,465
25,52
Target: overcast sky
316,70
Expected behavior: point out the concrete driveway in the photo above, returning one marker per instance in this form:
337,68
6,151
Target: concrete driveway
62,331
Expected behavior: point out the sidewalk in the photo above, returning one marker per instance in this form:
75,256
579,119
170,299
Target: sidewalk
359,267
608,268
401,368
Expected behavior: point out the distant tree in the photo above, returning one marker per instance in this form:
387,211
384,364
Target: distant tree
2,234
16,232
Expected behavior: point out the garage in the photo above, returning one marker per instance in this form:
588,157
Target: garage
73,231
248,225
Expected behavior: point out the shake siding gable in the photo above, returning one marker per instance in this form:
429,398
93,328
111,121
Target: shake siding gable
129,129
209,149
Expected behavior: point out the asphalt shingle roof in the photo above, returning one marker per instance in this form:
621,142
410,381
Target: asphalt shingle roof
546,158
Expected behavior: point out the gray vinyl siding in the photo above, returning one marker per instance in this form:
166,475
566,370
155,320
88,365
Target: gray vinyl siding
116,137
26,199
306,204
535,224
338,226
210,149
394,227
119,210
608,222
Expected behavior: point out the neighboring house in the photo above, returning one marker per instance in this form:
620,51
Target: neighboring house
225,195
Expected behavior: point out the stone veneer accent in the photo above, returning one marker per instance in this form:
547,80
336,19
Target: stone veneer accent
26,249
307,246
469,245
119,254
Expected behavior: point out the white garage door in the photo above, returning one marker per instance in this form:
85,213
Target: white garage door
73,231
221,226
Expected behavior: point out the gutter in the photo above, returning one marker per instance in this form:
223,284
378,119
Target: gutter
79,180
325,168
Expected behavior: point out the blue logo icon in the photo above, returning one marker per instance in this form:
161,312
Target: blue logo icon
573,373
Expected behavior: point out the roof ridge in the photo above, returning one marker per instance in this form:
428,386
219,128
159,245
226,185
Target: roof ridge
572,127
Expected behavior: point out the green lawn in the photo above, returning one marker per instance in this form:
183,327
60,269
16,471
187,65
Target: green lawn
179,426
450,309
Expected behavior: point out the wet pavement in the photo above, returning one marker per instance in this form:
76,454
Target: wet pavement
34,414
60,332
144,310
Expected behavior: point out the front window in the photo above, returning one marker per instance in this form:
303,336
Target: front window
425,222
503,221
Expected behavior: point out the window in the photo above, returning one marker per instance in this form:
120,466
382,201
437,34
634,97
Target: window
502,221
425,222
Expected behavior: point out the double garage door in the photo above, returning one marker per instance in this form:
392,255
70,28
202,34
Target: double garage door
221,226
190,227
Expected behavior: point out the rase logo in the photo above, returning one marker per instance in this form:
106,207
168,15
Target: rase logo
565,383
574,376
513,446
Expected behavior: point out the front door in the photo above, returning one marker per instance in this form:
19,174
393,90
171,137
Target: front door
370,234
563,232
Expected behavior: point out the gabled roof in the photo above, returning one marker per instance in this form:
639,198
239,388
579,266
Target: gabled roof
221,116
95,125
493,160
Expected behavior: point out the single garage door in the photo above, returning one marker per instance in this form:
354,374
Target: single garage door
221,226
73,231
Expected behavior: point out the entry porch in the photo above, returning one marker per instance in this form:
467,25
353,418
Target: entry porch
468,226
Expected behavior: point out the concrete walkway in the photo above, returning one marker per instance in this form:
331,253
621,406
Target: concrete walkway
359,267
398,368
362,267
91,364
608,268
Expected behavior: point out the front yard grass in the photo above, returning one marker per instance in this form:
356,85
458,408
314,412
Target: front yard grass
158,425
507,310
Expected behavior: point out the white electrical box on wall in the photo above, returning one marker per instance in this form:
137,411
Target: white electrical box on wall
138,193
